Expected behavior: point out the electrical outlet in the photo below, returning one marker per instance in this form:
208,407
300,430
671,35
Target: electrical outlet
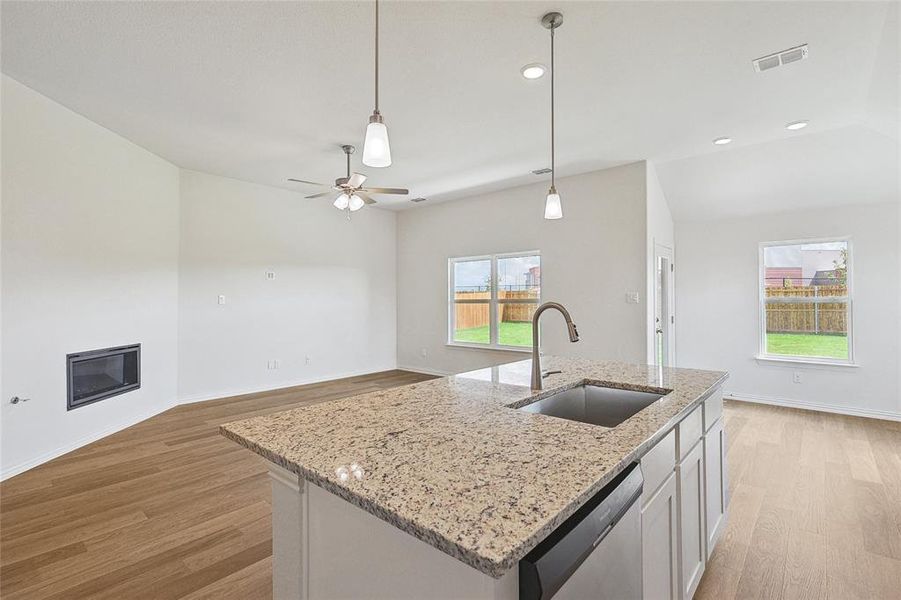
307,360
796,377
632,298
221,299
423,352
270,275
276,364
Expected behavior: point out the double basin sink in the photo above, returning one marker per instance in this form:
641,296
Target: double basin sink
594,404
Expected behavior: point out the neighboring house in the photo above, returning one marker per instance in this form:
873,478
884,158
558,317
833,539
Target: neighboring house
815,260
784,276
533,277
830,277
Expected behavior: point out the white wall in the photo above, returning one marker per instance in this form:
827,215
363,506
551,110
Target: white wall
89,251
332,299
589,261
717,328
660,230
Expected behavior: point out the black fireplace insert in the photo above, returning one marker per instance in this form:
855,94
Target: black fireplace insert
99,374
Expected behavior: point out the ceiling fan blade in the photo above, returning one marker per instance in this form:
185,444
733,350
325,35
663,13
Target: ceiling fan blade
356,180
307,182
321,194
366,197
380,190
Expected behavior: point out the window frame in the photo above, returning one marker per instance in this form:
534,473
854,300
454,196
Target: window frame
493,301
762,354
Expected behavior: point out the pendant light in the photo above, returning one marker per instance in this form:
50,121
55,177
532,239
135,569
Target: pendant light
552,207
376,149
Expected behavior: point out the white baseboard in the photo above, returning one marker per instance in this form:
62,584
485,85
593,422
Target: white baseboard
39,460
282,385
424,371
829,408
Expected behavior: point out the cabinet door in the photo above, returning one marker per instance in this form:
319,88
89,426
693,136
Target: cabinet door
690,494
660,544
715,478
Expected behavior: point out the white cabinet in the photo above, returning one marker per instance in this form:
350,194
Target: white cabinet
684,503
660,543
715,482
692,538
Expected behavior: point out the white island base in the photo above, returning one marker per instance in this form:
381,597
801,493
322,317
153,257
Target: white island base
325,547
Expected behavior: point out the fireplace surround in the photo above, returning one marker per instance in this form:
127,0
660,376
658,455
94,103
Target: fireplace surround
95,375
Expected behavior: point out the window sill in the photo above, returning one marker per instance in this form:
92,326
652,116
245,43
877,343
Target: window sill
815,362
519,349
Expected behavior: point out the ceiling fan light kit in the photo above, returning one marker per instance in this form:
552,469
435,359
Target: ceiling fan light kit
553,208
341,202
376,148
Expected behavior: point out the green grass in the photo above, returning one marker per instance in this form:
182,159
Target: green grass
509,334
807,344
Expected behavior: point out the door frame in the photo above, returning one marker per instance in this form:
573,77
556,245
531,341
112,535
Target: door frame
665,252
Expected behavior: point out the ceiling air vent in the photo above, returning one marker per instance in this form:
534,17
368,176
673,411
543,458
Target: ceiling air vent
784,57
543,171
420,199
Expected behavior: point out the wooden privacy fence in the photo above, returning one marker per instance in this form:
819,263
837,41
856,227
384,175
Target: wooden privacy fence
809,309
471,315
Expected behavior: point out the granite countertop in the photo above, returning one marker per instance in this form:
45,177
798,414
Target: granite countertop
450,463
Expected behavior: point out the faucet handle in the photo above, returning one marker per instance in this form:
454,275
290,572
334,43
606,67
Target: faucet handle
545,374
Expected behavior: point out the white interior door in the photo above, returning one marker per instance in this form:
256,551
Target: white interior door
664,302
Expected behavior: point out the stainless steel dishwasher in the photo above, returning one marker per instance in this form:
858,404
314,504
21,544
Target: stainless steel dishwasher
593,555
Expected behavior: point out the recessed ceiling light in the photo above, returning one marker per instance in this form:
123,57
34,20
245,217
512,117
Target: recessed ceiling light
722,141
795,125
533,71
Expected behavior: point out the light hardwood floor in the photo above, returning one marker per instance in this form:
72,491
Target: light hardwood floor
165,509
170,509
815,507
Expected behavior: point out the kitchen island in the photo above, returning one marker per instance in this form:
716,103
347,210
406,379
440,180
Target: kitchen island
447,485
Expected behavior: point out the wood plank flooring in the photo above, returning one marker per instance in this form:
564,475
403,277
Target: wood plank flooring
167,508
815,507
170,509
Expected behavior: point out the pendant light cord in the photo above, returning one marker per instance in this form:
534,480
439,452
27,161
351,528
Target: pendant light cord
376,56
553,168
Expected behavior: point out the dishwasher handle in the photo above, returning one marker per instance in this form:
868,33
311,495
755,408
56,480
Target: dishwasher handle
546,568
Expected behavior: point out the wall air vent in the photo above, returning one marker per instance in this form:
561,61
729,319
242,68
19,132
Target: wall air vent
543,171
420,199
783,57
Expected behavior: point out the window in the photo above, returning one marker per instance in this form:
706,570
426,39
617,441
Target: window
805,300
491,300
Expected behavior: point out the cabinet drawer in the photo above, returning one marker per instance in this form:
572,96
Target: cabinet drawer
688,432
713,409
657,465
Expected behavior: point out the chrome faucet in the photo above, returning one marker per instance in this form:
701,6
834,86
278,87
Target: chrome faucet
536,358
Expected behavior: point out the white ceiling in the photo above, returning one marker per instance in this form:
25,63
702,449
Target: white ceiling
268,90
843,166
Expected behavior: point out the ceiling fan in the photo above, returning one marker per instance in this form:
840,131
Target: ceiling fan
352,196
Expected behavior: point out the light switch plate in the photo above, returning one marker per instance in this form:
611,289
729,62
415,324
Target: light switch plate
632,298
221,299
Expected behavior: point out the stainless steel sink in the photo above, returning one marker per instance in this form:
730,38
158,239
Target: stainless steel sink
594,404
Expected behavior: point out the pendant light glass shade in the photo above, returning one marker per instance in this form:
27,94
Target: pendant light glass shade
341,201
355,203
552,207
376,149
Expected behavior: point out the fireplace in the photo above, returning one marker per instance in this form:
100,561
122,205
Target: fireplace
99,374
